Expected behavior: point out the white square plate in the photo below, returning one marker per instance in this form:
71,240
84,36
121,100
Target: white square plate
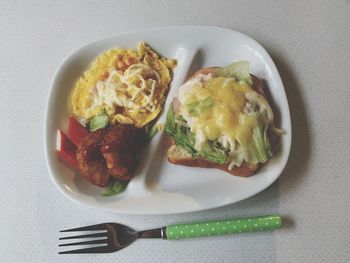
159,187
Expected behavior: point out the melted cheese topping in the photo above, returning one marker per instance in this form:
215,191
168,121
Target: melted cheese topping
224,120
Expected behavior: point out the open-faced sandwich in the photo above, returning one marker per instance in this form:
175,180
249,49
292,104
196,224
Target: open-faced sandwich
113,105
220,118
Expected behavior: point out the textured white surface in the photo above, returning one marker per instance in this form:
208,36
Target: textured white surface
310,43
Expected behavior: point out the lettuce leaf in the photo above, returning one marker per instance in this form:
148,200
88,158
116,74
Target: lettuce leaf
258,150
261,143
195,108
214,152
170,121
183,137
238,70
154,130
99,121
115,188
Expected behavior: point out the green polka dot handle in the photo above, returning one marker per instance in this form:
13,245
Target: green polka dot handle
231,226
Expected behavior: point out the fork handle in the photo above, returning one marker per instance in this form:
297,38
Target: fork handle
231,226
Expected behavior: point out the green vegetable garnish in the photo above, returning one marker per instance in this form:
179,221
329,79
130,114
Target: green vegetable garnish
214,151
154,130
114,188
182,135
195,108
262,145
259,149
99,121
186,139
238,70
170,121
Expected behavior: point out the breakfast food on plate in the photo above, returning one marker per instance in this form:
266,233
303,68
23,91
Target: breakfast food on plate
109,153
120,147
130,86
220,118
90,163
114,105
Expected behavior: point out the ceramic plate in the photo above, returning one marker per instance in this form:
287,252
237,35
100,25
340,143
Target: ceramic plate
159,187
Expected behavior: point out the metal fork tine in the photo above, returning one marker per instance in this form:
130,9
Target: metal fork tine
110,237
104,234
102,249
86,228
90,242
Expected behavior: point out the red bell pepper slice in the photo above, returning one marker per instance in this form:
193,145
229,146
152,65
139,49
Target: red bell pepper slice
76,131
66,150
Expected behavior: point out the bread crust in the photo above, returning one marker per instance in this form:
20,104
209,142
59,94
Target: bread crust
245,169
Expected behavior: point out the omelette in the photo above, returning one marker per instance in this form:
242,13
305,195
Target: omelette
130,86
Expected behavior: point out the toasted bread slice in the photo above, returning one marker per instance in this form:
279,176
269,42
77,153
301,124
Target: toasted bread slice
178,155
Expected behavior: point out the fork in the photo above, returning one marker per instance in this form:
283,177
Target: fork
113,236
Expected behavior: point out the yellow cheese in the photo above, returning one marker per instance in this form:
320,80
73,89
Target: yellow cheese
224,117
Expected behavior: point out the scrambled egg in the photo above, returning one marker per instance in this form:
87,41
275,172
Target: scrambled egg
129,85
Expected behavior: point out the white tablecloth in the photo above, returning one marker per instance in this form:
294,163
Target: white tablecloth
310,43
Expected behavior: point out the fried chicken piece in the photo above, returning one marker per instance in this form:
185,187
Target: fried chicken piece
120,148
91,163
